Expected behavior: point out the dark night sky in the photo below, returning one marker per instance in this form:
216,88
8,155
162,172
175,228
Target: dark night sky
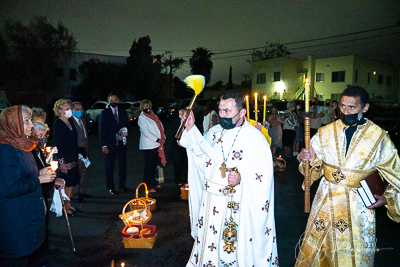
109,27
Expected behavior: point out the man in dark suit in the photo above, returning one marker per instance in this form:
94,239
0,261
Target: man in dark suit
81,189
113,125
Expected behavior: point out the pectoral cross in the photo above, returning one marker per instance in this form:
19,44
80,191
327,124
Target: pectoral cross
223,169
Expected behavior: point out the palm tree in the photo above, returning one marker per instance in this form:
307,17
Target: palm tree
200,62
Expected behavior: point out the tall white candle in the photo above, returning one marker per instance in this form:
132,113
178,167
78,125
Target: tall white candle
307,93
255,106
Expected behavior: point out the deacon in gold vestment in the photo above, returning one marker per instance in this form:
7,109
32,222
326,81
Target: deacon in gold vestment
340,229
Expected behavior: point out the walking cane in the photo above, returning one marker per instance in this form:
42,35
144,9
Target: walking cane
66,218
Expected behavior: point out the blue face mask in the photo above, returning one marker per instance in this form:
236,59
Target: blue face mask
78,113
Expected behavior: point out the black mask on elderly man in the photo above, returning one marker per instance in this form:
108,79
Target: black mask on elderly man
113,104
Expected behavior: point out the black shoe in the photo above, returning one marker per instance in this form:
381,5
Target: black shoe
124,189
112,192
86,195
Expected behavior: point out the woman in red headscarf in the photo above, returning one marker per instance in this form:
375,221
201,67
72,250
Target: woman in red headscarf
22,209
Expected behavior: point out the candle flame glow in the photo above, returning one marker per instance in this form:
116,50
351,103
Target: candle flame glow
265,97
247,97
122,264
307,81
54,165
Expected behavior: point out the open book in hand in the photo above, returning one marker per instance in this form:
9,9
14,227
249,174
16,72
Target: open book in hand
370,186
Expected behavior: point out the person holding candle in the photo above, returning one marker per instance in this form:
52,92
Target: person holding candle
341,228
275,130
47,185
65,139
22,210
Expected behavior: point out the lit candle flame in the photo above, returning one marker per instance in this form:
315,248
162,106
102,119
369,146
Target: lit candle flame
54,165
122,264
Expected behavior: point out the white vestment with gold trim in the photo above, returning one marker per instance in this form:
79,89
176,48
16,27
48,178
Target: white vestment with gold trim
253,209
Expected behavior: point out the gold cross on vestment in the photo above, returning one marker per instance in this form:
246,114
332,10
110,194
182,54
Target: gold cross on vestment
223,169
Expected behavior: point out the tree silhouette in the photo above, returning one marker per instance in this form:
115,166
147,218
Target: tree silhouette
269,51
200,62
34,50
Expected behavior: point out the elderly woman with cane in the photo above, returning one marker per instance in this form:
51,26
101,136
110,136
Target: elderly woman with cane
22,210
152,139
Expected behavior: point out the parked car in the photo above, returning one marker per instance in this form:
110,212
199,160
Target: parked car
132,108
390,121
95,110
170,110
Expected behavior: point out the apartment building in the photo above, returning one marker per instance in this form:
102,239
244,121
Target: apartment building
283,78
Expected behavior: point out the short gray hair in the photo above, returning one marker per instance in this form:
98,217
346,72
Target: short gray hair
290,104
40,126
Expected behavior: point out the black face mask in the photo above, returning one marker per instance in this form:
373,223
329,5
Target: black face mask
327,104
227,123
313,103
351,119
147,110
113,104
42,142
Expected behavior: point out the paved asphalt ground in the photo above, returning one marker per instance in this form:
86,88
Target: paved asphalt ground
97,228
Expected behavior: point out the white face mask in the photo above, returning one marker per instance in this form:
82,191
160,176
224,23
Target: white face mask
68,113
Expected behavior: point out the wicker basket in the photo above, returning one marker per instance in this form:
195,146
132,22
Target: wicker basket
139,240
125,216
137,204
279,164
184,192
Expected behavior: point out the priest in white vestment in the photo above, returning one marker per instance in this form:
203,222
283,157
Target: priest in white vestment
230,153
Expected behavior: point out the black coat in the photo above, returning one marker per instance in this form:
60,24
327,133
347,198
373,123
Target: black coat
22,210
66,141
109,127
